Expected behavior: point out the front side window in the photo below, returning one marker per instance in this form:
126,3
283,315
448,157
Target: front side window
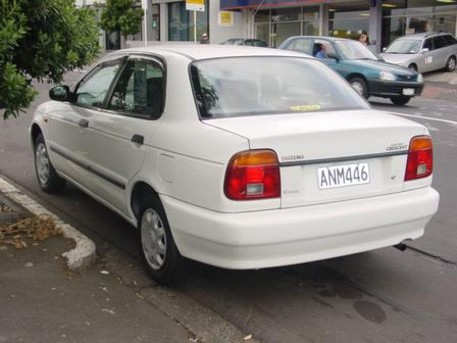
353,50
92,90
241,86
428,44
139,91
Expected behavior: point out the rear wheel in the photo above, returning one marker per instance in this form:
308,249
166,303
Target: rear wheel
360,86
160,254
48,179
450,64
400,100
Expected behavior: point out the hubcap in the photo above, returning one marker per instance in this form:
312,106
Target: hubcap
42,163
451,64
358,87
153,238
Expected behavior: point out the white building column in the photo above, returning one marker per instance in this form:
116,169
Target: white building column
375,27
323,20
163,22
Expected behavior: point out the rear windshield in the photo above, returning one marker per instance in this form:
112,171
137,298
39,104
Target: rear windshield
404,46
236,86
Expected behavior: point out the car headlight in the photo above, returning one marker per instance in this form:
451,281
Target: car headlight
420,78
387,76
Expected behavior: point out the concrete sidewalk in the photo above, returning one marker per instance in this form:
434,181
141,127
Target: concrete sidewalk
44,301
47,297
440,85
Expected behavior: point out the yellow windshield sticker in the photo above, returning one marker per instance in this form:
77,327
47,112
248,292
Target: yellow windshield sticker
305,108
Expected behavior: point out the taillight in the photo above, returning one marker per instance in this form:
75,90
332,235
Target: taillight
253,174
420,158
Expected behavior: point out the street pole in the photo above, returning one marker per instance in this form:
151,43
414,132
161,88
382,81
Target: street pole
195,26
144,6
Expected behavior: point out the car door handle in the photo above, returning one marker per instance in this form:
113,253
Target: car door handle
83,123
138,139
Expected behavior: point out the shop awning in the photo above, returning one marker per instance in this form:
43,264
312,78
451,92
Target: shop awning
241,4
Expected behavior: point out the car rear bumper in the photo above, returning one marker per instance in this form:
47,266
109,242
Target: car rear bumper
389,89
280,237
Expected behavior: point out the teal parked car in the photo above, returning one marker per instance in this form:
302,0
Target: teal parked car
367,74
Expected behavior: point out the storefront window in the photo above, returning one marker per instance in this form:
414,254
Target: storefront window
276,25
406,17
181,22
349,20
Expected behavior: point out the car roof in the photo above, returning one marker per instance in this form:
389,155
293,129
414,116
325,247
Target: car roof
204,51
322,37
423,35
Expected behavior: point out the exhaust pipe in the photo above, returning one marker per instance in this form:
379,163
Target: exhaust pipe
401,246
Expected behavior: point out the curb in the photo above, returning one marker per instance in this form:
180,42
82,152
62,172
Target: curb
82,255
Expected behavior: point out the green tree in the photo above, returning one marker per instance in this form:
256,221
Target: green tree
41,39
121,16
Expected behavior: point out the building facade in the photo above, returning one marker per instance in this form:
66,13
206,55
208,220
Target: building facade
275,20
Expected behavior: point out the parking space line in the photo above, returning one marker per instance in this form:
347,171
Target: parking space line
452,122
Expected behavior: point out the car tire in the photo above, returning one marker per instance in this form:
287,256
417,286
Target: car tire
400,100
360,86
158,249
48,179
450,64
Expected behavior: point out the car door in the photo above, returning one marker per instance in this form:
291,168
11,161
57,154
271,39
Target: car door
116,134
426,56
69,122
440,52
333,59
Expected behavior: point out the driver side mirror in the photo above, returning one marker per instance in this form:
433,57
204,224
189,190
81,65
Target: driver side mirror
384,49
425,50
60,93
333,55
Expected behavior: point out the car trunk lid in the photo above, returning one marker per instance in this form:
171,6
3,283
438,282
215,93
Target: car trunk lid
331,156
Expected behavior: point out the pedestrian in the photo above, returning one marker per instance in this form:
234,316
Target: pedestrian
363,39
204,39
321,51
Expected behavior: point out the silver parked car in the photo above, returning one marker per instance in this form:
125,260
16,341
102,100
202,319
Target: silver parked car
423,52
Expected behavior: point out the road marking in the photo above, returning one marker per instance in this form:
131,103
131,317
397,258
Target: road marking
452,122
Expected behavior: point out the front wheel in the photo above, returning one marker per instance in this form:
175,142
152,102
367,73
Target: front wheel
160,254
48,179
400,100
360,86
450,64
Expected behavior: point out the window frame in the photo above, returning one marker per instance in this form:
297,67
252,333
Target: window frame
90,74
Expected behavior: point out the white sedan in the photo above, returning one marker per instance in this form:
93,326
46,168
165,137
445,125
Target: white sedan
237,157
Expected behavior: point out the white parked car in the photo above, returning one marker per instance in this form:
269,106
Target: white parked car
423,52
237,157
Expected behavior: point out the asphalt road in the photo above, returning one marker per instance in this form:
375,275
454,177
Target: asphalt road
379,296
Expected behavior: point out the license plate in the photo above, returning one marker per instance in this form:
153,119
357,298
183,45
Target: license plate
343,175
408,91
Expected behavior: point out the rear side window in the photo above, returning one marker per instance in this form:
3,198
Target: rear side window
439,42
246,86
139,90
450,40
301,45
